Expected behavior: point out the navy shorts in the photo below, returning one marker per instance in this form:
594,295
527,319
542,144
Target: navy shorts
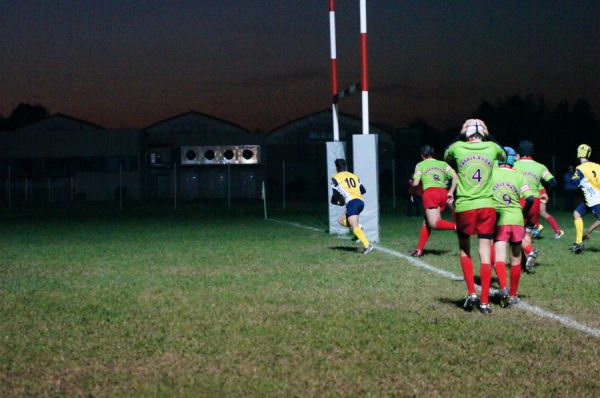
582,209
354,207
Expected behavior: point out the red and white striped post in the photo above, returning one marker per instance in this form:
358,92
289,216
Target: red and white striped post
334,78
363,66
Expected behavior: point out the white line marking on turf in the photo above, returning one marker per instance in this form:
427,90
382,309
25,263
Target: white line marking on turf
566,321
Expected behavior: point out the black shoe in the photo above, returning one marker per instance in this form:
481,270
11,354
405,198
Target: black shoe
471,302
485,309
504,298
368,250
577,248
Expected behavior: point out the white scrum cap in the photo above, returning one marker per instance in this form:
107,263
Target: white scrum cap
473,126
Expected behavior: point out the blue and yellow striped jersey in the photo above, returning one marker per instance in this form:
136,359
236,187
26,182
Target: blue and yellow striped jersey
348,185
587,175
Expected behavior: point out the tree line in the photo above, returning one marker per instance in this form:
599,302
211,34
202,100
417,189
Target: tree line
23,115
555,130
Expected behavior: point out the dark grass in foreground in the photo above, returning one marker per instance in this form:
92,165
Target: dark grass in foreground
205,303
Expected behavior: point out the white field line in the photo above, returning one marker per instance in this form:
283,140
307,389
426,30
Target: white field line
564,320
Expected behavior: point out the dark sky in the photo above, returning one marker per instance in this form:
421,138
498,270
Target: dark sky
262,63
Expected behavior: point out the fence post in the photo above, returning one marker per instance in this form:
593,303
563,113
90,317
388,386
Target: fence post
228,186
554,174
283,182
9,190
264,198
120,186
394,184
174,186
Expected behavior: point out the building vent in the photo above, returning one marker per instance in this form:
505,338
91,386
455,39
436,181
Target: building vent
249,154
224,154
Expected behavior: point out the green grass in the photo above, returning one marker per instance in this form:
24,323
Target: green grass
205,302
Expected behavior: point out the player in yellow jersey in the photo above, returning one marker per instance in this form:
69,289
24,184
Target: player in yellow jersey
348,191
587,175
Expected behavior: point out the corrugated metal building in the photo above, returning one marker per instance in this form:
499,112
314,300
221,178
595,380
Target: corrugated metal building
198,156
191,156
62,158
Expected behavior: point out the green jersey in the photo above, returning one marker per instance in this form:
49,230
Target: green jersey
433,173
474,162
508,186
534,173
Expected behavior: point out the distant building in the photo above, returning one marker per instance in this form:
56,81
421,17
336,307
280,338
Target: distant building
191,156
62,158
201,157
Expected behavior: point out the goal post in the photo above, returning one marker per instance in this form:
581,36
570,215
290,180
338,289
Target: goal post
364,146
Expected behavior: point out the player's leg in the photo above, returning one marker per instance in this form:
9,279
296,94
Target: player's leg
343,221
485,272
465,227
558,233
353,209
434,203
485,227
515,272
596,211
578,214
435,221
527,243
500,263
588,233
424,233
500,269
532,219
466,264
357,230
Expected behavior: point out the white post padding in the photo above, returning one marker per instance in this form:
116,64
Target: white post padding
335,150
366,167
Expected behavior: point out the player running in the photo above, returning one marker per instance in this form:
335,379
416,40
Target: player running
347,190
475,207
535,175
509,187
587,175
434,175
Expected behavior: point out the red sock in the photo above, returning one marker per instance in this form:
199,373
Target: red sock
527,249
515,275
445,225
467,268
500,268
485,273
423,236
553,224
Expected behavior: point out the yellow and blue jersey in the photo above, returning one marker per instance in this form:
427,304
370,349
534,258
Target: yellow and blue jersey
587,175
347,185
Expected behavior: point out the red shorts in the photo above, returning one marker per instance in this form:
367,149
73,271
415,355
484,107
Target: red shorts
510,233
434,198
533,217
478,221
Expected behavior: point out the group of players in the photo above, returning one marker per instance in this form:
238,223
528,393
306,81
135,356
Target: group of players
495,193
500,195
